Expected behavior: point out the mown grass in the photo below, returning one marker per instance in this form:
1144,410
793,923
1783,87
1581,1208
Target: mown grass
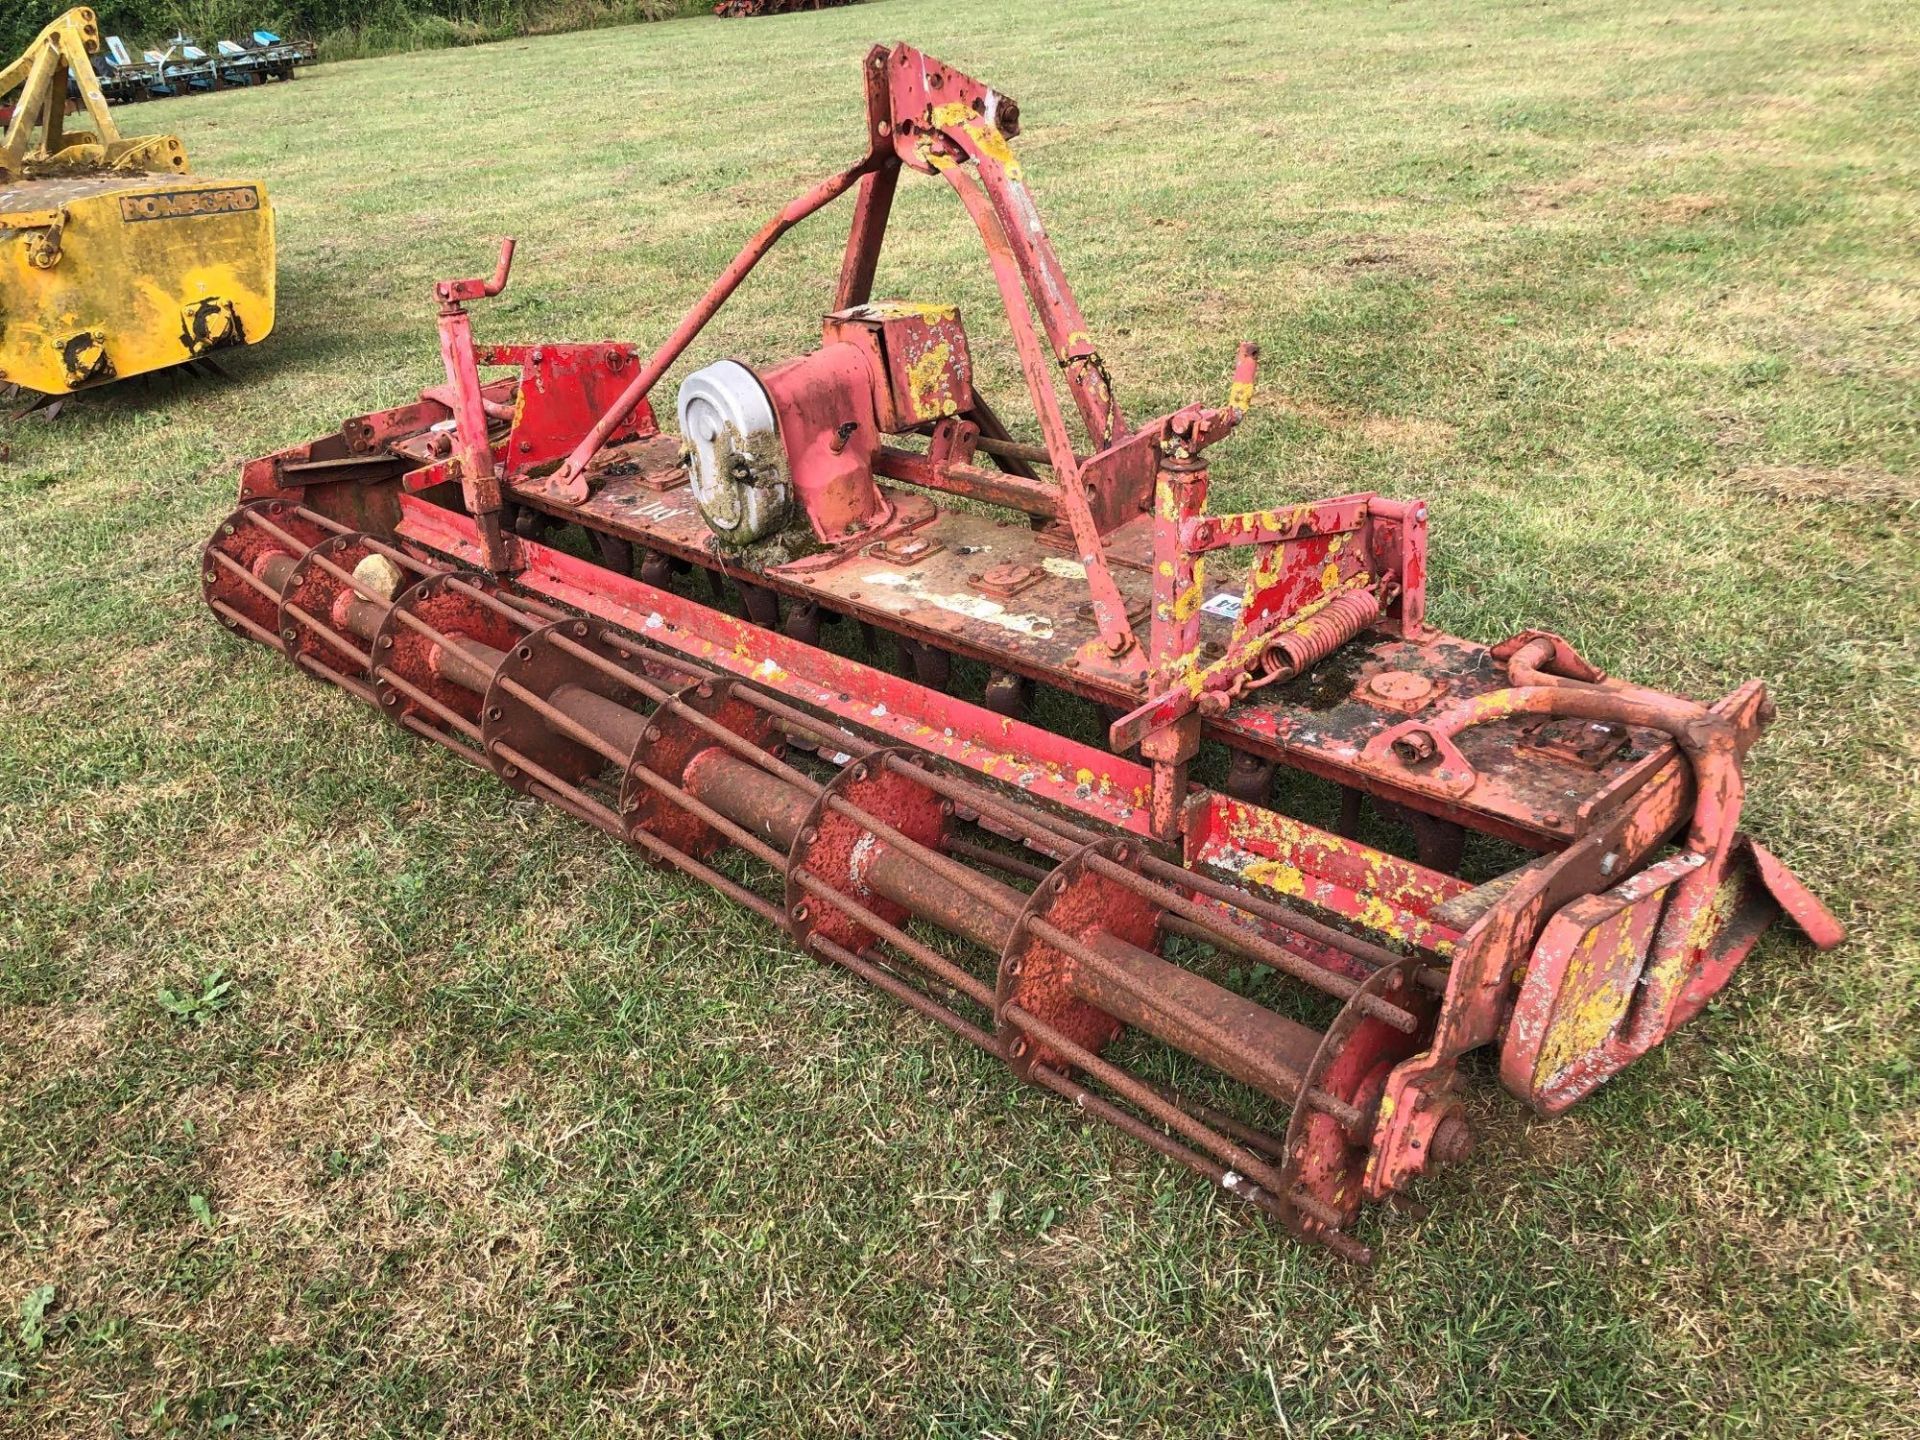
498,1132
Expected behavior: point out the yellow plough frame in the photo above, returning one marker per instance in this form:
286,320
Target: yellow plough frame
114,259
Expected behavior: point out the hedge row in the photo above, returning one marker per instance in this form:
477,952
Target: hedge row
343,28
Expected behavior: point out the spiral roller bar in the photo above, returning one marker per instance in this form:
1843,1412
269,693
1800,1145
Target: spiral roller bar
681,763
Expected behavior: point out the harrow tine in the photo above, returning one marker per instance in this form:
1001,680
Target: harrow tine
653,655
732,889
1157,1140
906,994
329,634
427,732
240,622
825,730
1122,995
981,855
577,801
1375,957
246,577
927,958
528,614
320,670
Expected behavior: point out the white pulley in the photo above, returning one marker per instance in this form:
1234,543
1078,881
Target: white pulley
736,465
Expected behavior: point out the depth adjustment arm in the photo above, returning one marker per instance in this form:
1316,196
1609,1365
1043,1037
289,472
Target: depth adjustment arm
475,464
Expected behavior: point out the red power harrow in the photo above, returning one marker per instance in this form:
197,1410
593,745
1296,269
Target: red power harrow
1056,903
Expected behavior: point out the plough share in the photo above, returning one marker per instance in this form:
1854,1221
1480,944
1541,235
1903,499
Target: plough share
505,568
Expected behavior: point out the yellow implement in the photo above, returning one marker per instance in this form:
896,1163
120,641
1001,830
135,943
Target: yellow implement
114,260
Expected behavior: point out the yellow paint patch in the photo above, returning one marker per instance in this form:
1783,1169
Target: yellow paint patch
1190,600
927,382
1376,914
1582,1027
988,142
932,311
1278,876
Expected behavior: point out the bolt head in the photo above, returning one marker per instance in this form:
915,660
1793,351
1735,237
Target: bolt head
1415,745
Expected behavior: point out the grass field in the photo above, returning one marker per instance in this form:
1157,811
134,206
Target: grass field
348,1094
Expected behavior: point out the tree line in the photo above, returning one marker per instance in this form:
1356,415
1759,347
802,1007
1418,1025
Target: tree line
343,28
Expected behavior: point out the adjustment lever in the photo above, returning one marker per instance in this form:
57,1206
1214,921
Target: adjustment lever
454,292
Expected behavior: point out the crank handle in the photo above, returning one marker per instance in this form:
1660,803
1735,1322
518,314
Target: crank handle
1240,397
454,292
502,270
1198,426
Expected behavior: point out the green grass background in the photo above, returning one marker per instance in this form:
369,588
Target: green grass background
499,1133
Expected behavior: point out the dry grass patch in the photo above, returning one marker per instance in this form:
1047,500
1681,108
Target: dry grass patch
1410,432
41,1040
1841,485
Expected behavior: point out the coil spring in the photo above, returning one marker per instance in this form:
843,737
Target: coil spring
1317,637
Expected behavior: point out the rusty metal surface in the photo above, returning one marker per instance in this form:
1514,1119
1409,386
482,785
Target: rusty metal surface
565,702
1323,720
408,679
917,355
575,713
1583,978
314,629
1038,762
673,743
235,561
1319,722
1041,979
1326,1158
841,852
1299,864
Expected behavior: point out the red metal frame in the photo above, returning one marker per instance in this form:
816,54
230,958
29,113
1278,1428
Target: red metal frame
382,560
